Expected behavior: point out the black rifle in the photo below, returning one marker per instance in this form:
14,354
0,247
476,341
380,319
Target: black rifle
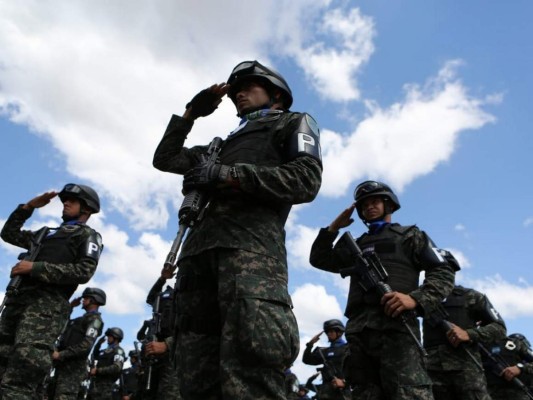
499,364
371,274
438,318
192,208
149,333
35,245
328,371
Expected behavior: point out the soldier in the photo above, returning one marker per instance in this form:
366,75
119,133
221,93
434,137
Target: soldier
508,366
131,378
157,336
35,316
76,343
454,362
236,331
109,365
333,386
384,361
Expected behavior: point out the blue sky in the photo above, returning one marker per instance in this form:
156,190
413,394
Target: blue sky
431,97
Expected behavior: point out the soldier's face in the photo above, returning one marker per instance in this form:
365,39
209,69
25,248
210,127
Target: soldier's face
71,208
373,208
333,334
250,95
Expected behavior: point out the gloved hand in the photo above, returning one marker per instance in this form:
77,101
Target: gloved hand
204,103
205,176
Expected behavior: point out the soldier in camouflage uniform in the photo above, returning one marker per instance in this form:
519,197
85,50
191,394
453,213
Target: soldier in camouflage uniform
36,315
164,377
332,358
236,330
76,343
109,365
384,361
451,352
512,374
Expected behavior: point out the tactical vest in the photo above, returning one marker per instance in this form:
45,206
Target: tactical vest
255,144
402,274
455,306
76,330
57,248
335,358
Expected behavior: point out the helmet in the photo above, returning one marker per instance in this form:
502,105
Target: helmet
374,188
98,295
83,193
253,70
133,353
333,324
520,337
116,333
303,388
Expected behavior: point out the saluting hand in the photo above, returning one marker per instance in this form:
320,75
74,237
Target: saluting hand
343,220
315,338
40,201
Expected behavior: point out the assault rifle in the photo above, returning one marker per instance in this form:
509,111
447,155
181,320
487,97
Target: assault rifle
328,371
35,245
192,208
370,274
499,364
148,333
438,318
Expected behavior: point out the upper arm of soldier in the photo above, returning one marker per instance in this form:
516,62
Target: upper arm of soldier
92,246
94,328
430,256
304,140
486,312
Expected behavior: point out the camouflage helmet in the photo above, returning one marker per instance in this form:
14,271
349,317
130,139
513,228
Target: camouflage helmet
83,193
117,333
255,71
333,324
98,295
368,189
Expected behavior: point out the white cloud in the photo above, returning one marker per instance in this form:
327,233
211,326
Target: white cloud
511,300
460,227
461,258
528,222
406,140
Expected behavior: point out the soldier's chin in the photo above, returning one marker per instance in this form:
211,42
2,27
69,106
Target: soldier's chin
67,218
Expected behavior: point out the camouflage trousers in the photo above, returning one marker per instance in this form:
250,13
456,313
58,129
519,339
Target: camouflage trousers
459,385
101,388
69,376
385,365
164,382
236,330
28,328
507,393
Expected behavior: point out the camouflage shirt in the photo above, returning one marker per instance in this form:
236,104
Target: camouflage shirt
245,218
84,245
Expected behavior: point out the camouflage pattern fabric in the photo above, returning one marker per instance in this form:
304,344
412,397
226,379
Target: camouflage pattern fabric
507,393
68,379
235,336
28,330
236,331
386,365
164,382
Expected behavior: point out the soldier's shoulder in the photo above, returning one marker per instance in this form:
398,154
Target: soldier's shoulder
404,229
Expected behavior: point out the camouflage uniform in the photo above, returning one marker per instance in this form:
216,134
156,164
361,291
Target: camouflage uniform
510,352
334,356
74,348
236,329
164,383
454,374
108,370
34,318
384,361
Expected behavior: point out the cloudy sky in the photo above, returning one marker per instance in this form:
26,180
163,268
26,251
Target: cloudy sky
431,97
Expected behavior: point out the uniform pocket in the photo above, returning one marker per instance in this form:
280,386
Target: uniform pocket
267,328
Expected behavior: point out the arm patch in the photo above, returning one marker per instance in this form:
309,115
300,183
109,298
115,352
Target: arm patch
305,140
93,246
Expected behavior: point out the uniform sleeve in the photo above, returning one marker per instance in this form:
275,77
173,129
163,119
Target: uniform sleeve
170,155
322,254
492,327
311,357
439,279
155,291
116,367
78,272
12,232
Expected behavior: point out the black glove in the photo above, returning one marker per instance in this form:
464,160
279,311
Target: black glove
205,176
203,104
